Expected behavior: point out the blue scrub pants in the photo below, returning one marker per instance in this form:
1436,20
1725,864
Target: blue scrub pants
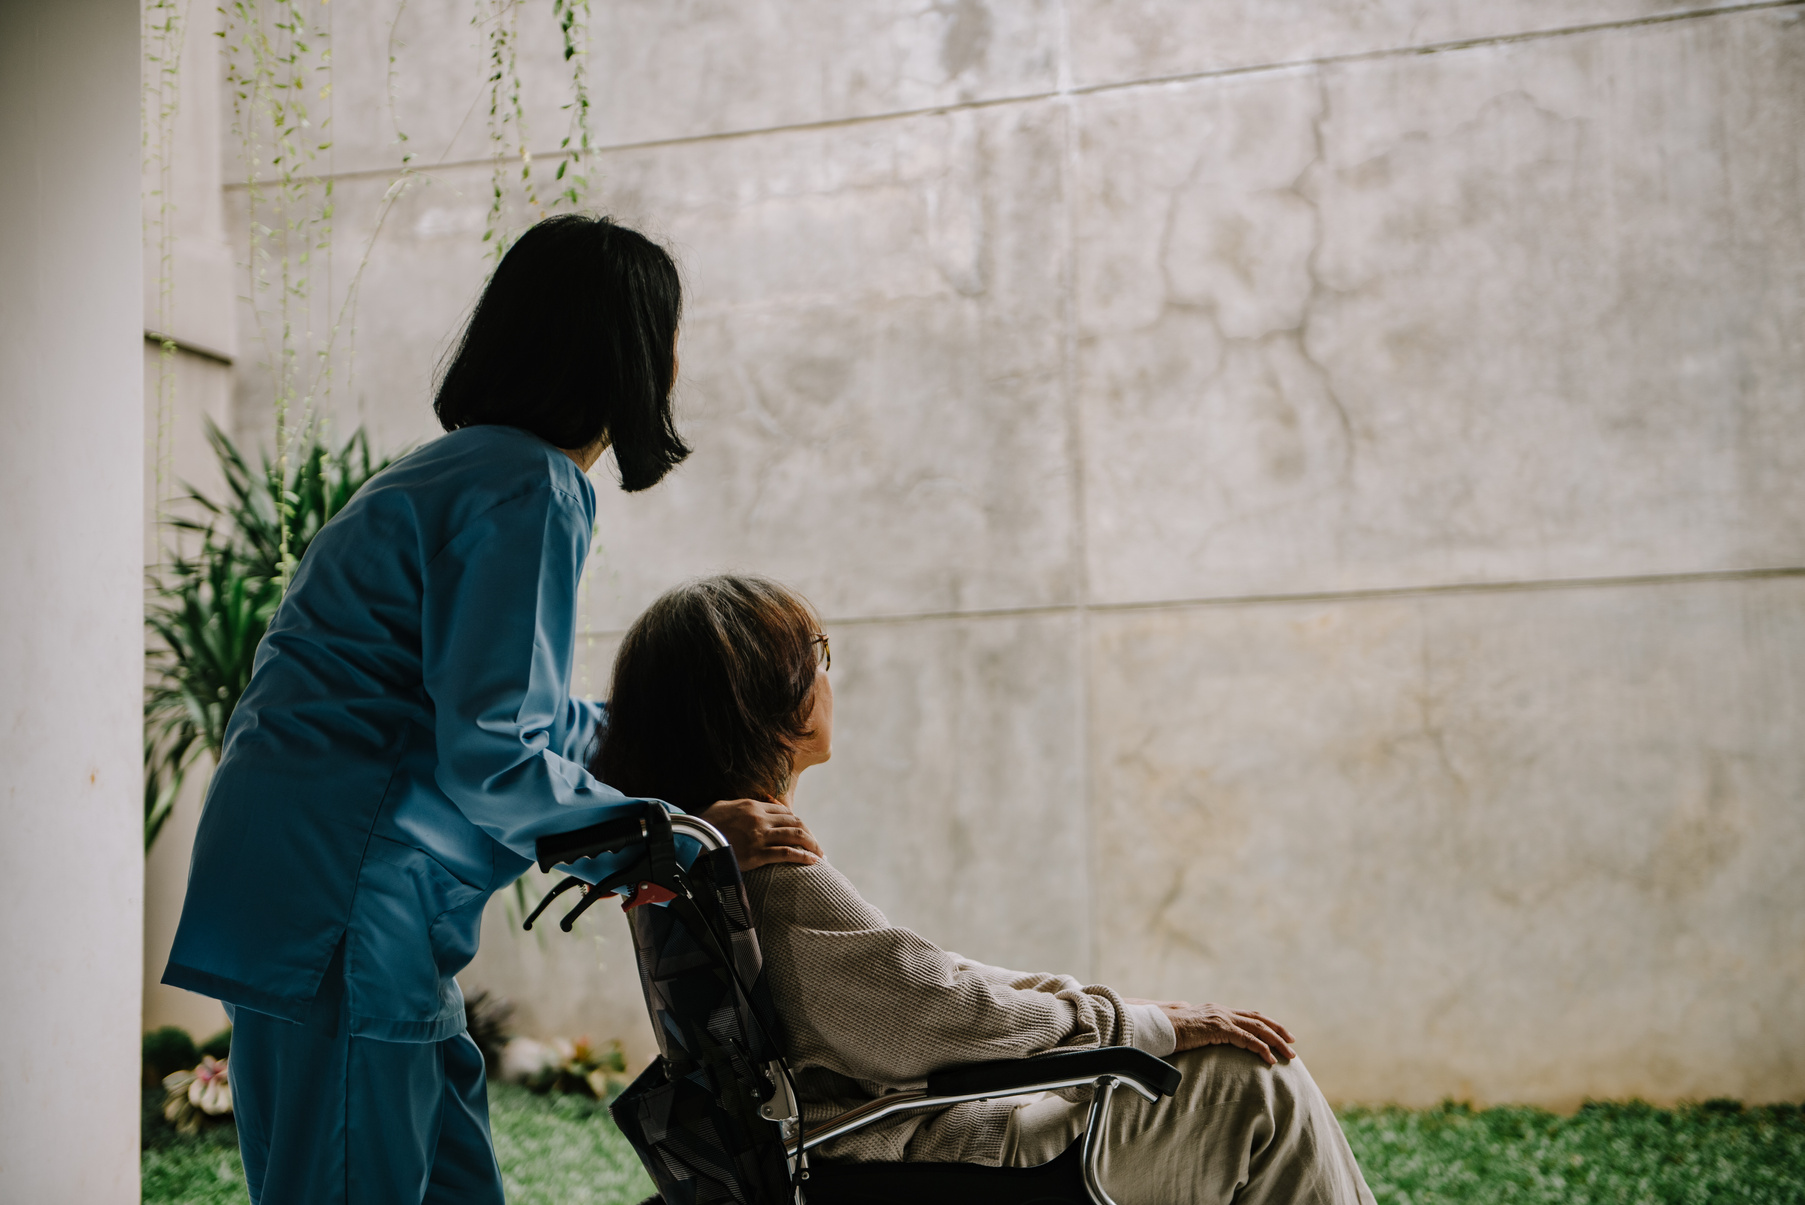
325,1118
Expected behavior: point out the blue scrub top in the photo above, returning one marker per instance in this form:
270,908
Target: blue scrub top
407,733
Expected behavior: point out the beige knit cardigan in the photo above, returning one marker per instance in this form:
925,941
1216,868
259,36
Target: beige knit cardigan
870,1008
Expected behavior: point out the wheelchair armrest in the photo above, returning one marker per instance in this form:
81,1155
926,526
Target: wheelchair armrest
1152,1077
1008,1076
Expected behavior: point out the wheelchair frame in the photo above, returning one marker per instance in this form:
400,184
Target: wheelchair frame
1104,1069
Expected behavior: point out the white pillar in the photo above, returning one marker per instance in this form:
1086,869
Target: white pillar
71,601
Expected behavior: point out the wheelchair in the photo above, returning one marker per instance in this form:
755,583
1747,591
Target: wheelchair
715,1117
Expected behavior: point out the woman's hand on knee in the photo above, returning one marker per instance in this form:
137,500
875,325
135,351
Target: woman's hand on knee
1213,1025
762,832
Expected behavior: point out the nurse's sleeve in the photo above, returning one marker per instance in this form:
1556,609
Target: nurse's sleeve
497,637
585,722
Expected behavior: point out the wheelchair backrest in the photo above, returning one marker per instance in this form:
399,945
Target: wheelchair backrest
709,1117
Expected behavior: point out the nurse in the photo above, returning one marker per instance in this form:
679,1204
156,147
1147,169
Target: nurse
408,732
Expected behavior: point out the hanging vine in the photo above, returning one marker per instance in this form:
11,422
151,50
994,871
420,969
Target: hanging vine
278,67
500,20
278,63
165,26
279,70
573,23
510,140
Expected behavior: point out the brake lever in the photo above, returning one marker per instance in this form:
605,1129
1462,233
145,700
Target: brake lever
590,896
563,886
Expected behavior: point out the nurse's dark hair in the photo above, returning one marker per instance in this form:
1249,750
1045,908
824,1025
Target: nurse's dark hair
572,338
712,690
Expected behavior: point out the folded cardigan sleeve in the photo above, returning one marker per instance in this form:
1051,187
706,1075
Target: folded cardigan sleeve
891,1006
1149,1028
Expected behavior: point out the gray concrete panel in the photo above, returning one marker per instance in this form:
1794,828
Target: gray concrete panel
1522,845
954,802
871,357
414,79
672,71
417,275
1522,311
660,71
870,367
1114,41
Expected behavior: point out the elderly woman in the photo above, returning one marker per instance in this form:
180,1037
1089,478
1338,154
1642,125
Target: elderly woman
721,691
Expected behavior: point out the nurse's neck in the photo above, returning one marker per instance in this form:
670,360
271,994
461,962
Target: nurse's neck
586,457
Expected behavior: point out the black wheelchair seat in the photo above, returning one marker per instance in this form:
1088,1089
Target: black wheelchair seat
1060,1182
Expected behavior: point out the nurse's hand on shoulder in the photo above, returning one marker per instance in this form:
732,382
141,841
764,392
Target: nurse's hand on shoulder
762,832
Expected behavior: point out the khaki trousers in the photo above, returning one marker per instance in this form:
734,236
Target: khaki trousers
1237,1130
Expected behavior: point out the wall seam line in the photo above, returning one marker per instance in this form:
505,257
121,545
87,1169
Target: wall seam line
1057,94
1371,594
1080,538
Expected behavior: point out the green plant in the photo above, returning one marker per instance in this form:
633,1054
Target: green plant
209,617
487,1018
261,517
165,1051
573,23
279,73
509,138
210,609
219,1045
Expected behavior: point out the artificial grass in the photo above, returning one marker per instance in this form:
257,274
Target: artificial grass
1605,1154
564,1150
194,1171
198,1169
554,1150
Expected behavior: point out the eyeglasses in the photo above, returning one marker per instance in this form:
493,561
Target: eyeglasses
826,656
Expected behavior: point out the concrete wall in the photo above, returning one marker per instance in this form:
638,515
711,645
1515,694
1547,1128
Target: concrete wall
1307,503
71,864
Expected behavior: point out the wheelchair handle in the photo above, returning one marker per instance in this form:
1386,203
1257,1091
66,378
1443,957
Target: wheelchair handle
608,837
701,830
612,836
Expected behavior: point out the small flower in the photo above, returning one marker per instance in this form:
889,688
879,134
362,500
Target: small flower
176,1106
193,1096
211,1092
524,1060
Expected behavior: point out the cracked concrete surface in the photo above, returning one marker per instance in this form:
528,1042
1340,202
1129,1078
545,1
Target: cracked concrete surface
1521,819
1471,317
1049,396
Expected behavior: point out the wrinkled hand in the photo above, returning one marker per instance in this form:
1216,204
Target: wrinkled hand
762,832
1213,1025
